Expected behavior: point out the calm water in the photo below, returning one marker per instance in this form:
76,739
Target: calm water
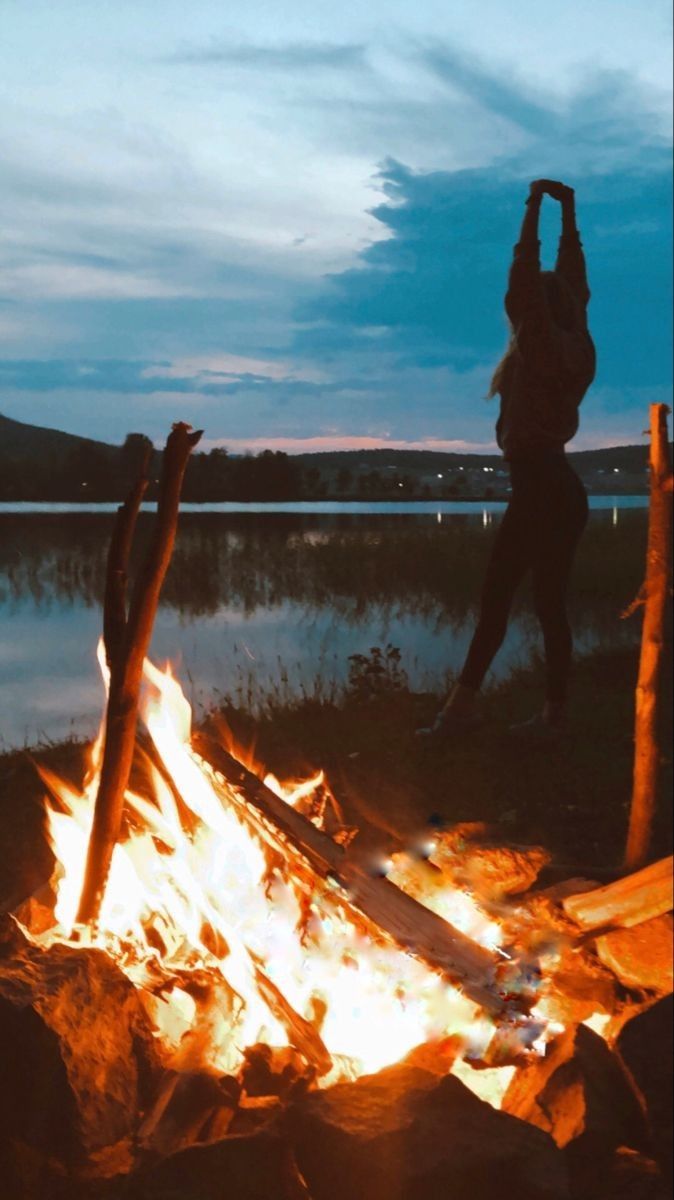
272,600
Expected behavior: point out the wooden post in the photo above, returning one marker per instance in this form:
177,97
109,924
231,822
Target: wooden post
127,643
655,597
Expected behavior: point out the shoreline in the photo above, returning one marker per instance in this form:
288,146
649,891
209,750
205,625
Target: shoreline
598,501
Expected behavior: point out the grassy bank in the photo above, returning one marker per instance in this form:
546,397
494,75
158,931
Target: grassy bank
572,797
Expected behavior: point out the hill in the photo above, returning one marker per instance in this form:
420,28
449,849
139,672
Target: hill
32,443
46,464
626,458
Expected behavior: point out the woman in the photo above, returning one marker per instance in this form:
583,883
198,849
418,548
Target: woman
545,373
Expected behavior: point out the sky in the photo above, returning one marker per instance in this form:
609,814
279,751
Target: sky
290,223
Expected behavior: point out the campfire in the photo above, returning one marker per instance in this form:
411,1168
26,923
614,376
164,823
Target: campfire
259,980
257,1001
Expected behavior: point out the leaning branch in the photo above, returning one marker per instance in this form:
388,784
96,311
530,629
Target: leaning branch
656,594
128,648
114,603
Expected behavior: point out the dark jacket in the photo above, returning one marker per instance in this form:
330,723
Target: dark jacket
548,369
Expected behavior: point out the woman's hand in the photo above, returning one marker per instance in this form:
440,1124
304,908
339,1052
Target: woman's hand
551,187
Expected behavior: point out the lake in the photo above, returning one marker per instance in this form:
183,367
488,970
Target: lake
270,601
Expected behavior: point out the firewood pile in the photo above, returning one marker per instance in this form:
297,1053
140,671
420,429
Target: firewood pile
92,1107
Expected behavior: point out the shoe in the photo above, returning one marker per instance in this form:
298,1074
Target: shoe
450,721
540,729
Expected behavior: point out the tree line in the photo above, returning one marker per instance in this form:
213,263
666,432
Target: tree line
92,471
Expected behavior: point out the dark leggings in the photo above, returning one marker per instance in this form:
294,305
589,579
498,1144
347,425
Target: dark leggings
539,533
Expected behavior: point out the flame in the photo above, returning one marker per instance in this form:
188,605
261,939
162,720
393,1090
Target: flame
210,932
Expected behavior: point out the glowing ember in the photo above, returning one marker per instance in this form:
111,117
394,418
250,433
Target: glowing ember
226,949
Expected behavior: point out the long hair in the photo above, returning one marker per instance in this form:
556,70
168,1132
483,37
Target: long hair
502,366
565,314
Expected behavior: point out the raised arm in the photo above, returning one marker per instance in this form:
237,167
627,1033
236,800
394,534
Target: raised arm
525,301
524,283
570,258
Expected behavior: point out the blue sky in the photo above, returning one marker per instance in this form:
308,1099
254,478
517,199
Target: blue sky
292,226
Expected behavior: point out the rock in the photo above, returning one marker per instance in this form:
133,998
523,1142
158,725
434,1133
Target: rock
437,1056
259,1167
462,857
77,1052
629,1176
404,1133
35,915
578,987
255,1113
582,1096
645,1046
641,957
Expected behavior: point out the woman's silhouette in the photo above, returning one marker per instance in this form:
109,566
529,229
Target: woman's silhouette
541,380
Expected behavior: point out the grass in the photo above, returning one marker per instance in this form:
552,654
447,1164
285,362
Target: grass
573,797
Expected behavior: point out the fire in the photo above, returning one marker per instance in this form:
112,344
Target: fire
212,933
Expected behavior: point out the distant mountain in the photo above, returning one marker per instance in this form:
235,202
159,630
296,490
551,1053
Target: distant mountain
47,464
23,443
626,458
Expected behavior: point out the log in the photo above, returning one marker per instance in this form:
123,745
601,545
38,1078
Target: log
630,901
370,899
656,595
128,649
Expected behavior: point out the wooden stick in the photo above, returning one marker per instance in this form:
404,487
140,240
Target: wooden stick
630,901
370,899
301,1032
656,591
114,603
128,653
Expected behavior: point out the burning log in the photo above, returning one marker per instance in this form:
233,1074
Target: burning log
387,910
301,1032
627,902
127,642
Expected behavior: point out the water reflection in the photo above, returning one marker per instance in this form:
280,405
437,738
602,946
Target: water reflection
278,601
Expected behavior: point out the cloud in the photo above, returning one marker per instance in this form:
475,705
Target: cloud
227,266
210,370
432,287
288,56
211,375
